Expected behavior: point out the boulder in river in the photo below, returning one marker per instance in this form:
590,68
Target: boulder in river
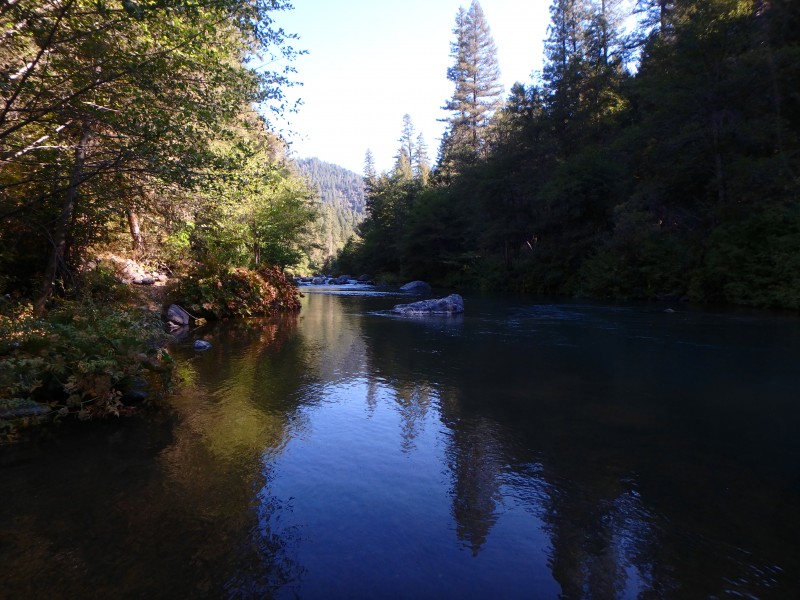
176,316
201,345
341,280
451,305
416,287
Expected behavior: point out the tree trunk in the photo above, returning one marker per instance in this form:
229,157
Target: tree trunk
137,245
61,230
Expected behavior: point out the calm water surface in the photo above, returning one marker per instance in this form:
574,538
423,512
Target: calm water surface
522,451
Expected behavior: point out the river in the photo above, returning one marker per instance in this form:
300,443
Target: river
523,450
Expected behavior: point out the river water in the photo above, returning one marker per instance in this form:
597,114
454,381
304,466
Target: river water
524,450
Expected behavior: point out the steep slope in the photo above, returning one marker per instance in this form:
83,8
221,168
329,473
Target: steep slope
341,193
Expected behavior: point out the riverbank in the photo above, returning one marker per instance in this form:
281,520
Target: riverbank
102,351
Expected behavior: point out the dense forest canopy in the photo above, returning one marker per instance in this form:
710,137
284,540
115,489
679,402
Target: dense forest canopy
128,130
658,162
341,210
135,119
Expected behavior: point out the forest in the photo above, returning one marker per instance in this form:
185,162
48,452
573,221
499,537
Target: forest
646,162
130,129
341,208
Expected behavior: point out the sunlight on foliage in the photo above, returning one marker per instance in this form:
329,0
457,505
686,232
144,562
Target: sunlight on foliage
80,360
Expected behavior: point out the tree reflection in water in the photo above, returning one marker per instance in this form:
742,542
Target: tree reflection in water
517,452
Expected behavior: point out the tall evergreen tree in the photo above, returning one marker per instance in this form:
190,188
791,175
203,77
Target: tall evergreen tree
403,167
584,68
369,168
477,95
420,162
407,136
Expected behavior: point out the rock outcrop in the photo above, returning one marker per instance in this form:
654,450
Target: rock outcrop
451,305
177,317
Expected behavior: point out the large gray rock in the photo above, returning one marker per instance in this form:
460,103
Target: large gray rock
416,287
177,316
341,280
451,305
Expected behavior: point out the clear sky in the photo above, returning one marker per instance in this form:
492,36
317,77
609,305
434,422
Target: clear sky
372,61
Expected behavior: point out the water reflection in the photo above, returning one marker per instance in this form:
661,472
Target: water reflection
476,462
571,451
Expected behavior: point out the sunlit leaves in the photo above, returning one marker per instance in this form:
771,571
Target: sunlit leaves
78,359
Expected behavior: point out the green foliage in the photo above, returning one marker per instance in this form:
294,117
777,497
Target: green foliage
109,112
676,180
237,292
755,261
256,210
80,359
475,74
342,207
100,286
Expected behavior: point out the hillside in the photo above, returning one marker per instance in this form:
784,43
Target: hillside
341,193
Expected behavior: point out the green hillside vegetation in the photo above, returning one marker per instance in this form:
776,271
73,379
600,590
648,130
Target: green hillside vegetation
341,210
129,129
658,163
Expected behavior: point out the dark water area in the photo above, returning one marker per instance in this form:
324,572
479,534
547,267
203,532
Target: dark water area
524,450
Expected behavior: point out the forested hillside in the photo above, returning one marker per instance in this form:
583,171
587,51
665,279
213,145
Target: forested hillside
132,126
342,206
129,129
658,162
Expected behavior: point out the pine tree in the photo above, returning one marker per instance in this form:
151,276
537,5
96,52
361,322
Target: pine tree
477,95
565,55
369,168
420,161
403,167
584,68
407,136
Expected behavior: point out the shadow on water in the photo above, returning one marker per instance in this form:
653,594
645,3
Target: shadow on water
166,506
659,451
553,450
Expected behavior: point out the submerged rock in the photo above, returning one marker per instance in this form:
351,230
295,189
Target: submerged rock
201,345
451,305
177,316
134,390
416,287
16,408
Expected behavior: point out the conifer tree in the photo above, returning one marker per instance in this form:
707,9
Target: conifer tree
478,93
403,167
420,161
407,136
369,168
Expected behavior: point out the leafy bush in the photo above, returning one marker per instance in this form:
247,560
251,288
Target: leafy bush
78,360
754,261
237,292
100,285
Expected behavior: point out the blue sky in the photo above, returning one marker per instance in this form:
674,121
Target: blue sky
372,61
